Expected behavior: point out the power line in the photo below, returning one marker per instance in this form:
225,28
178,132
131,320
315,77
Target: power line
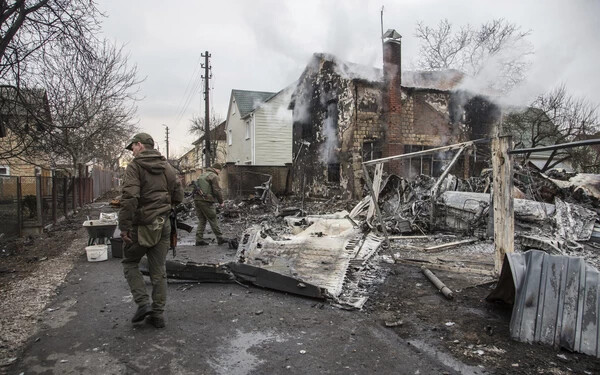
190,84
191,89
195,87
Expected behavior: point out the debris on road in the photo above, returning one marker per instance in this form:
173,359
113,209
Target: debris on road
438,283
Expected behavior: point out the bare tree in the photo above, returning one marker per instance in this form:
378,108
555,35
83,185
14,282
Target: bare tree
197,124
197,127
24,113
30,29
92,101
33,32
552,118
496,52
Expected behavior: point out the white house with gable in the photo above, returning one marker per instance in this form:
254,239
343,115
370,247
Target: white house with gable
259,128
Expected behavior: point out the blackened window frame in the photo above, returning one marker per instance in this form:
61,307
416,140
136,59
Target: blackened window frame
333,172
371,150
429,165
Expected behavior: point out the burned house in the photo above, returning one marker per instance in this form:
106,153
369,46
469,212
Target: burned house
345,114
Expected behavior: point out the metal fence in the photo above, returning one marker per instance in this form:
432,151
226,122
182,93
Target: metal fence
103,181
32,202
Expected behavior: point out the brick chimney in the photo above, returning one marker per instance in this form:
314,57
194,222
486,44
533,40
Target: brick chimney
392,71
392,100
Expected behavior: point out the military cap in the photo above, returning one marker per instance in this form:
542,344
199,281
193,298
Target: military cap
144,138
217,166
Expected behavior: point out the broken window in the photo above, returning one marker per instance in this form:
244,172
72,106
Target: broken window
429,165
333,172
371,150
306,131
332,114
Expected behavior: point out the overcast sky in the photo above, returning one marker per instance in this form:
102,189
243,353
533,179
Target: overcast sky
265,45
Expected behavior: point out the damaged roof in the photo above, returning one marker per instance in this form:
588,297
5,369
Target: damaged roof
443,80
247,101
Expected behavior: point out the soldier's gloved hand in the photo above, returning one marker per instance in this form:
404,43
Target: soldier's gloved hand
126,237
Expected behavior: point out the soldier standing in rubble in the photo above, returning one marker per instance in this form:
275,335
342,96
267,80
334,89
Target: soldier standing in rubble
207,192
150,188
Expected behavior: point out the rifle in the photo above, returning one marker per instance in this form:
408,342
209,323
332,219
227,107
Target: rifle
197,191
175,224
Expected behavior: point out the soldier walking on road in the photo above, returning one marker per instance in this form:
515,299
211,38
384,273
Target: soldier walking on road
150,188
207,192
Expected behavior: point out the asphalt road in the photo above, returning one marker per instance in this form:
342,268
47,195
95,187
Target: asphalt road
212,329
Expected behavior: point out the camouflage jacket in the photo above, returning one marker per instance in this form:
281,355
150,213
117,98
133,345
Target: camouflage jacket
207,187
149,189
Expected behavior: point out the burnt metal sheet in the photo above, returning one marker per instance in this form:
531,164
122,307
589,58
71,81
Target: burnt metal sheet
329,254
556,300
202,272
268,279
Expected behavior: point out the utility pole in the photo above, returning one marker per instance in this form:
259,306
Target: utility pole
167,140
207,76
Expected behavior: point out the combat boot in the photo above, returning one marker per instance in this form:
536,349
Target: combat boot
201,243
141,313
222,240
158,321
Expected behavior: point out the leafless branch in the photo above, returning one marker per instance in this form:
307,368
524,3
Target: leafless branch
497,51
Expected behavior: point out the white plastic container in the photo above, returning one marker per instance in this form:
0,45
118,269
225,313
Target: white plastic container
96,253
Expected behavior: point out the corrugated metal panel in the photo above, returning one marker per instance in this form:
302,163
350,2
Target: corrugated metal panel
557,301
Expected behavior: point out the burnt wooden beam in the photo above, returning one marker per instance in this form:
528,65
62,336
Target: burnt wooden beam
502,200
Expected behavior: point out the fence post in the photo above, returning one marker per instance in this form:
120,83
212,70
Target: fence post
73,203
38,196
19,206
65,196
80,191
54,199
502,200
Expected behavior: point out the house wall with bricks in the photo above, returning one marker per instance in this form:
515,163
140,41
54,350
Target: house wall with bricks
342,119
334,116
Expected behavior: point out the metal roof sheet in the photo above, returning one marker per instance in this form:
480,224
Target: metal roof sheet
557,300
247,101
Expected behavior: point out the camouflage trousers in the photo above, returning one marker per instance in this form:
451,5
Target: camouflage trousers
206,212
157,255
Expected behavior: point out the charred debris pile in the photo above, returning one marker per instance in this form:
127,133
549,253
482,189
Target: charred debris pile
556,212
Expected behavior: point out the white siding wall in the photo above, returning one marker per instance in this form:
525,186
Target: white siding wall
240,150
273,132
